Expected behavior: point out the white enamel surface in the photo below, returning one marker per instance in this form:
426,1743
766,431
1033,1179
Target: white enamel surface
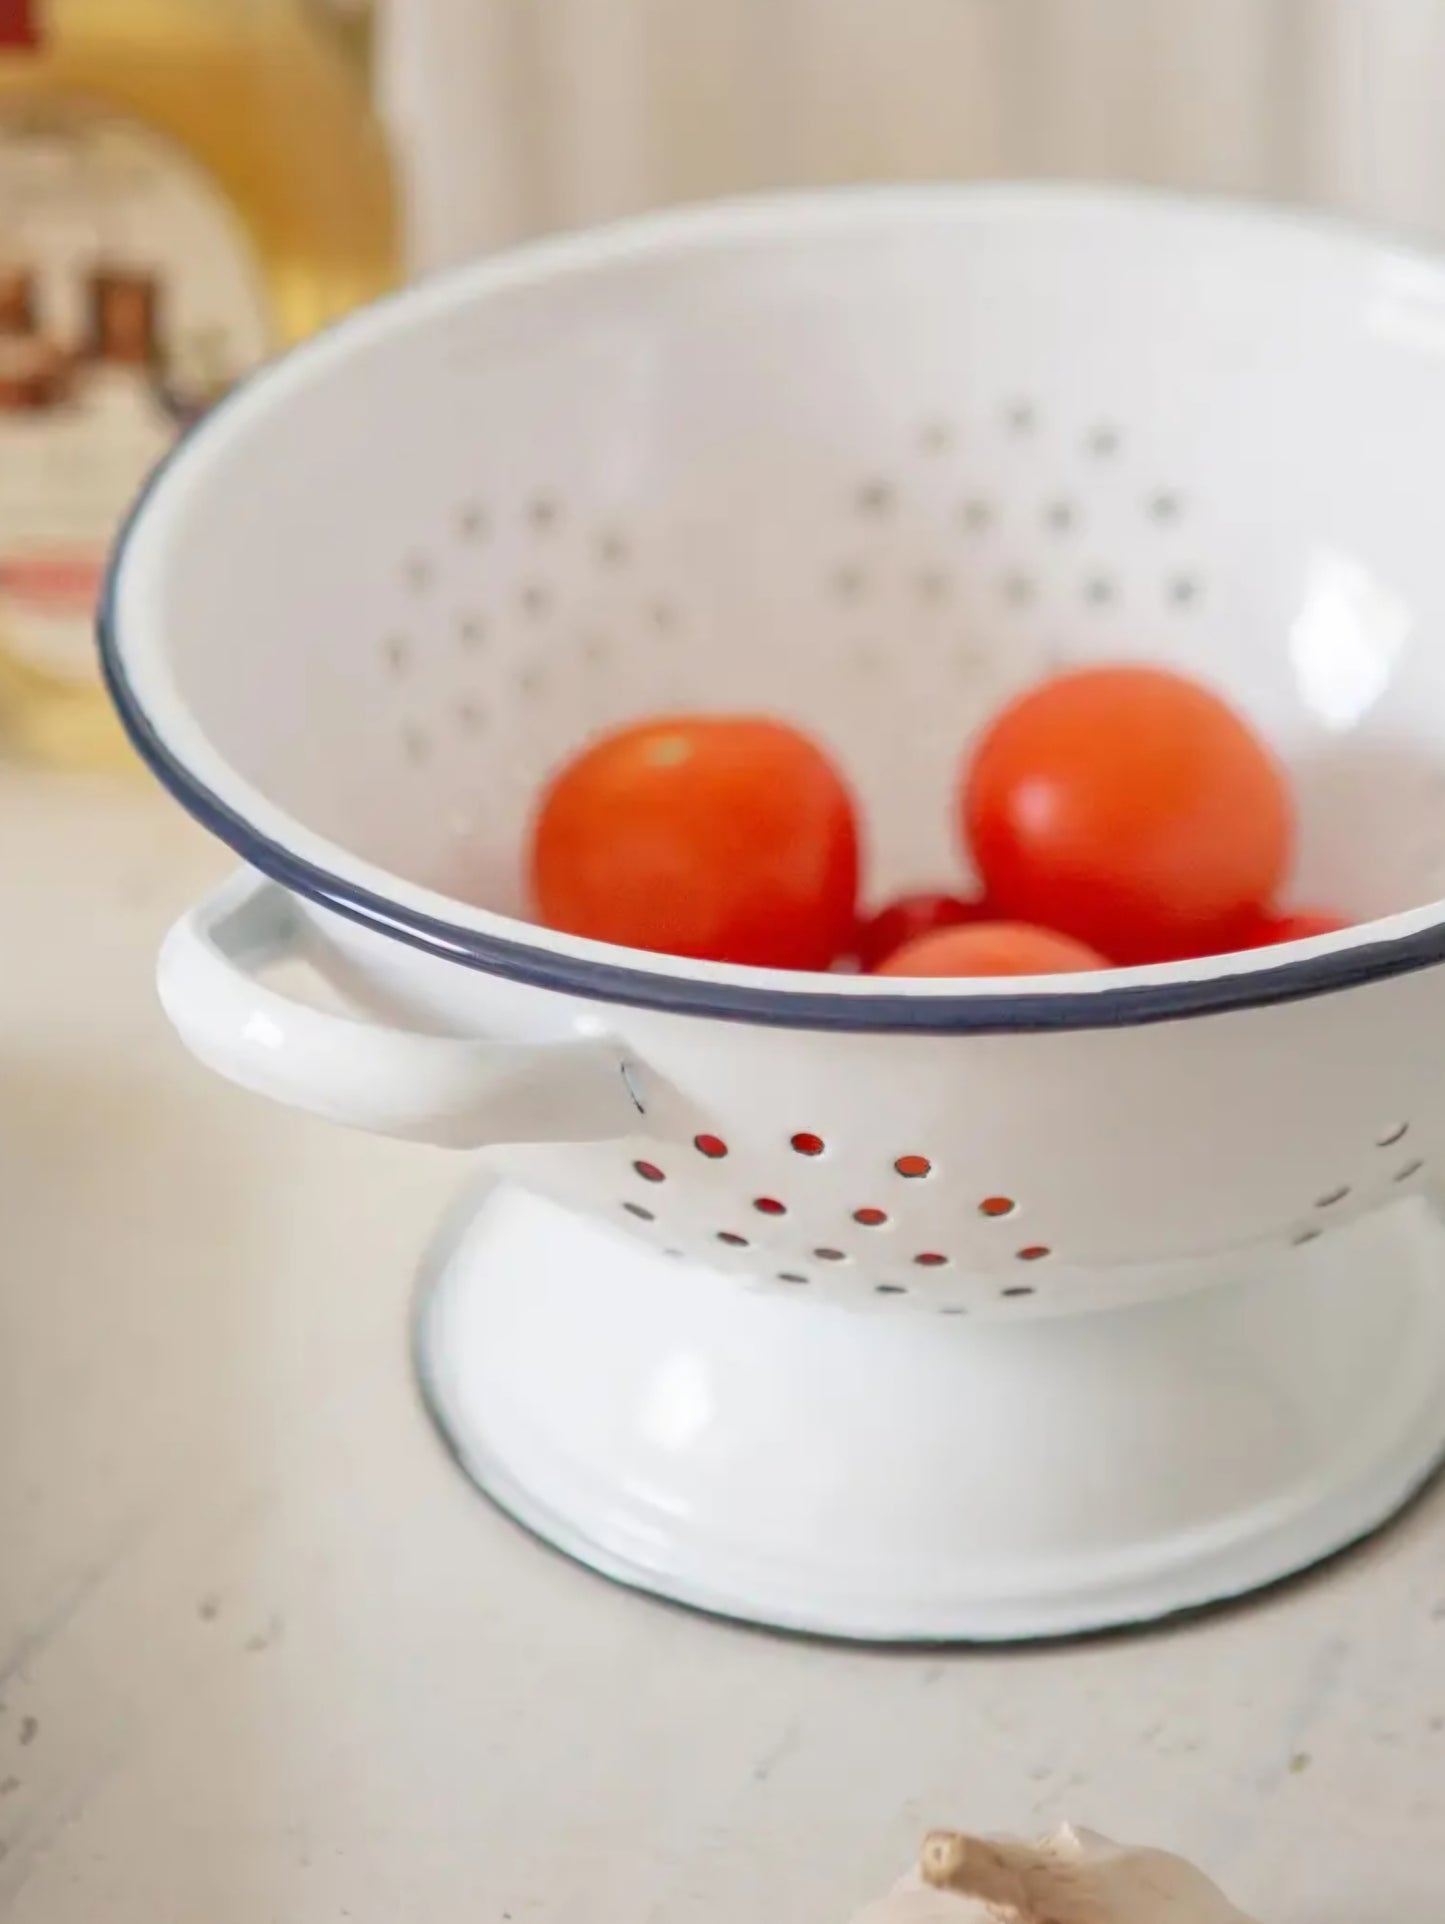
1141,1160
452,1090
899,1479
873,462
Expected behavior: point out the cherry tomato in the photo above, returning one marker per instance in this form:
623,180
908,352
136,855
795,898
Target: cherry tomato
907,916
1130,808
723,838
991,948
1300,925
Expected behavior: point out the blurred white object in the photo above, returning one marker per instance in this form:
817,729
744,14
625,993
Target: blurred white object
1071,1877
517,118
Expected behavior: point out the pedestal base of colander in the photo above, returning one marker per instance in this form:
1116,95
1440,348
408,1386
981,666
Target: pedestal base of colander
906,1478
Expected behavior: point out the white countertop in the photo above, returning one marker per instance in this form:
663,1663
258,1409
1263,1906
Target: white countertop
264,1656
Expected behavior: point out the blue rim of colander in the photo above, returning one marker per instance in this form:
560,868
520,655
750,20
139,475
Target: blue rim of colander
1038,1010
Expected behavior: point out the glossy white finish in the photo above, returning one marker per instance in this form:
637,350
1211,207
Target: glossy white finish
895,1479
1142,1161
455,1091
873,460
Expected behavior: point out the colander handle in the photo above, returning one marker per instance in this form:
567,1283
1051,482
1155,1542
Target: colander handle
460,1092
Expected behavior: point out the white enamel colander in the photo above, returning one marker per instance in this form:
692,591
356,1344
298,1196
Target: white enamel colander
872,461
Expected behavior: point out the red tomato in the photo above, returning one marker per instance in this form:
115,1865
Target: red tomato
1130,808
991,948
907,916
1301,925
724,838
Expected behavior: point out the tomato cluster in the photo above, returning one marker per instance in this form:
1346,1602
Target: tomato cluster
1114,815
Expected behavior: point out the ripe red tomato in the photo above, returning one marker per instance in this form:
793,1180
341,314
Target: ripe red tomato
723,838
907,916
1130,808
1301,925
991,948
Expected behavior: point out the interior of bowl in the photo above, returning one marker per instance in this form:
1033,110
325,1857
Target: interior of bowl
871,461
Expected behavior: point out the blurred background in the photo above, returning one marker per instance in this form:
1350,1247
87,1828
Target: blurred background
188,185
520,115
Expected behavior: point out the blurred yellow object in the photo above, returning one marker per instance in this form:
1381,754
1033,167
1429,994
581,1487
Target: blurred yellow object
353,22
185,186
